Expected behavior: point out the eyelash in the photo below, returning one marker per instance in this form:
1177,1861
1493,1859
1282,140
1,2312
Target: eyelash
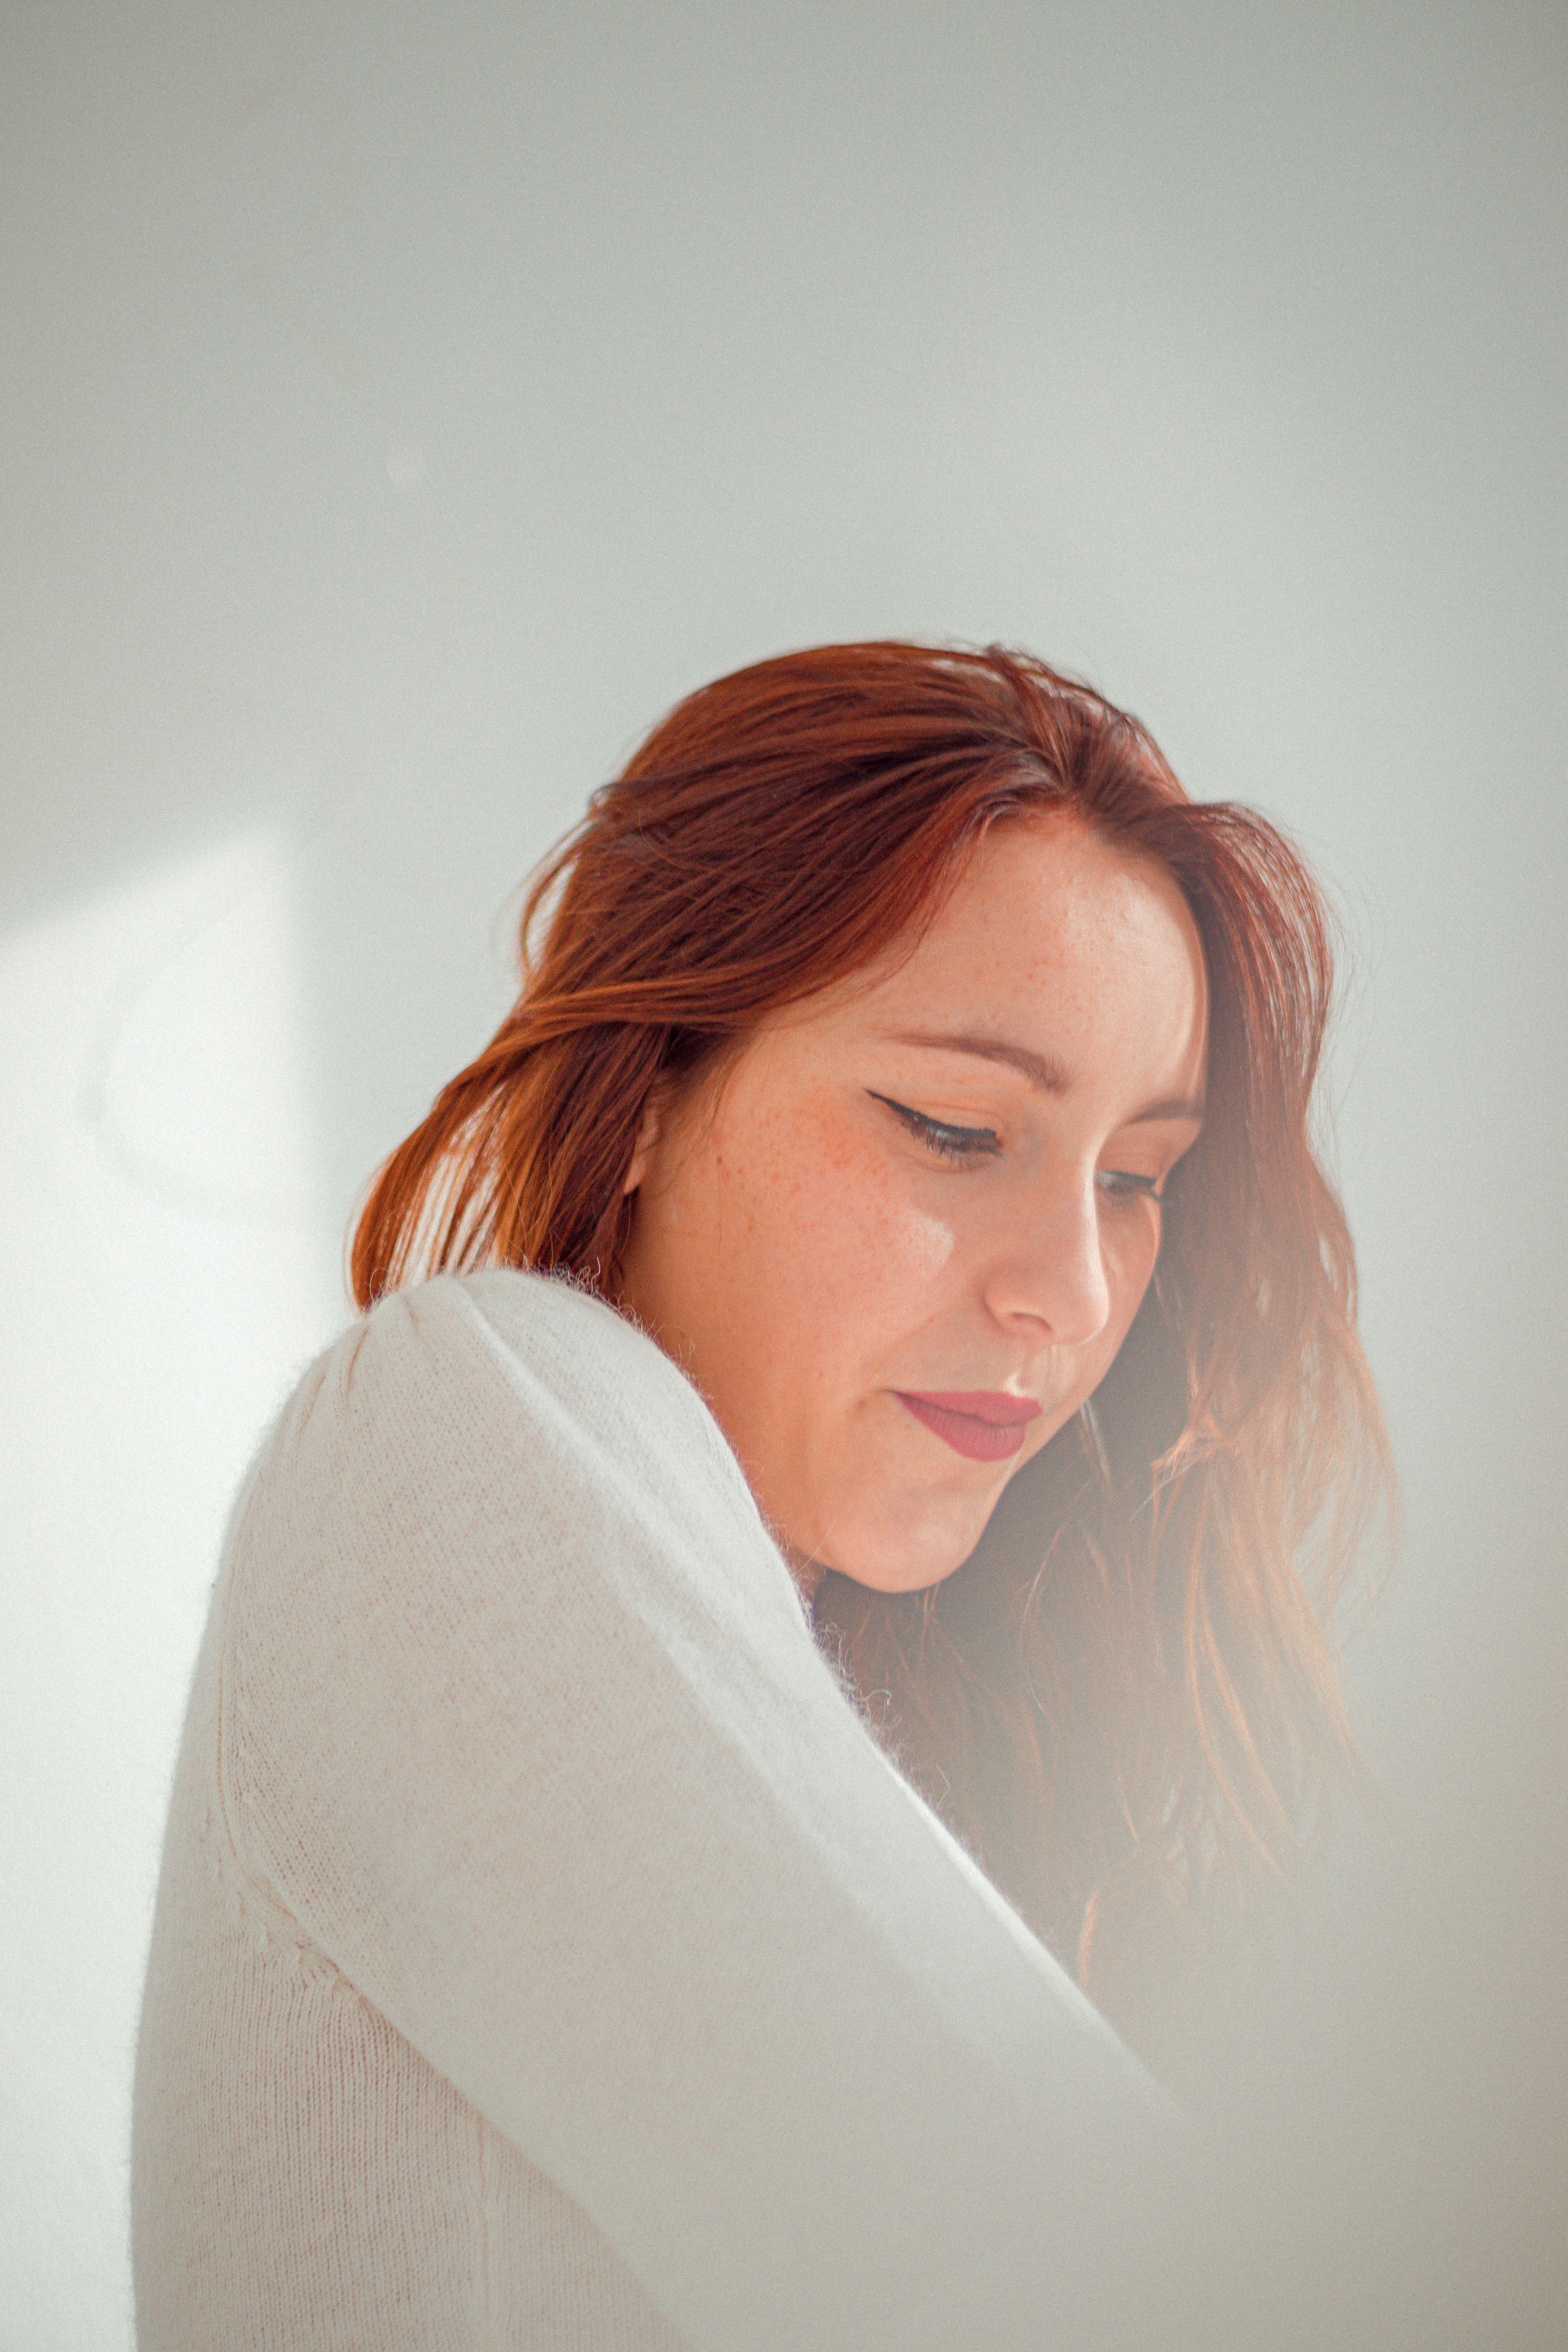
1123,1185
948,1142
963,1144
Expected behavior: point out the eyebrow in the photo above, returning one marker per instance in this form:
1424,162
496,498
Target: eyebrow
1048,1076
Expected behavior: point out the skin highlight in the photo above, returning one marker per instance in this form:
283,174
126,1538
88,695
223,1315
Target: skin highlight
938,1180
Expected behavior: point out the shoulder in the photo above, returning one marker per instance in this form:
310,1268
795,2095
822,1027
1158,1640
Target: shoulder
551,1338
507,1348
490,1484
503,1396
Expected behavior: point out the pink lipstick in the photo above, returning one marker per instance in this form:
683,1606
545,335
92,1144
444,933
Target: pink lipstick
986,1424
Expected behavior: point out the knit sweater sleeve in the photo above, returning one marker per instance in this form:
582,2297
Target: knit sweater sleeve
522,1721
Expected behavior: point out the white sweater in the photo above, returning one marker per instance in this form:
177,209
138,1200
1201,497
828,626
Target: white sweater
545,1953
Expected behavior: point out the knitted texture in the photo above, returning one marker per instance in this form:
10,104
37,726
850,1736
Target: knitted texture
545,1953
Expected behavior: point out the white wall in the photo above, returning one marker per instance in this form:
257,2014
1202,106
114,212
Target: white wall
401,406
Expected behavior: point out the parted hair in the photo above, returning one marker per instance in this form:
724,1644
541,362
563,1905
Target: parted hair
1126,1702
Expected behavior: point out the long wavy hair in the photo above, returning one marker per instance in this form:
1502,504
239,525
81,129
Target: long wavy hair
1126,1702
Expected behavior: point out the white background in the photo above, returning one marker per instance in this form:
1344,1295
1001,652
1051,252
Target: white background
402,407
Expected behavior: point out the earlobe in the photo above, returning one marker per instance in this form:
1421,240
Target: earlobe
647,1137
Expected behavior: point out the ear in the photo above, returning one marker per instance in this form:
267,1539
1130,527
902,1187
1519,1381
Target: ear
647,1137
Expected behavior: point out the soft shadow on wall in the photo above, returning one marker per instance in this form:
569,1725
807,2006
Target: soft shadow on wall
172,1274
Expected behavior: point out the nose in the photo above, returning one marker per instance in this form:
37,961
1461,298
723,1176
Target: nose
1050,1268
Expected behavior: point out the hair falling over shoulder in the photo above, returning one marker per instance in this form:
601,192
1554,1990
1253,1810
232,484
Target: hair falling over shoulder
1126,1703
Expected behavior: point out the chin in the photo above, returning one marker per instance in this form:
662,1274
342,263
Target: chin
924,1556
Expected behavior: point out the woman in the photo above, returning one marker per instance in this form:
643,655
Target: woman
948,1384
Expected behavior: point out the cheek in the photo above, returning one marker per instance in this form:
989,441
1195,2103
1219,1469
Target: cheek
826,1215
1130,1246
1130,1260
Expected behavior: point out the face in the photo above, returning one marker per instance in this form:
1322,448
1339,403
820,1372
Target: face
896,1239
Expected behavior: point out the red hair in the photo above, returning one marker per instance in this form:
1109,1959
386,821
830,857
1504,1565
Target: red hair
1126,1701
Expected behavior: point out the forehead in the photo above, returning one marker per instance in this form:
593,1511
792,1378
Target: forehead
1056,940
1048,888
1045,899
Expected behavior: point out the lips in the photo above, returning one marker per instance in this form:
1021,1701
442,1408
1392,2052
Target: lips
985,1424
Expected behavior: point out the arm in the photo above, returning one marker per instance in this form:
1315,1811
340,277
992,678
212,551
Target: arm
524,1723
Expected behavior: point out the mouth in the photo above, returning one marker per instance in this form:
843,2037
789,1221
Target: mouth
985,1424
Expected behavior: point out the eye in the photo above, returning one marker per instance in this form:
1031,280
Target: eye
960,1143
1121,1184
